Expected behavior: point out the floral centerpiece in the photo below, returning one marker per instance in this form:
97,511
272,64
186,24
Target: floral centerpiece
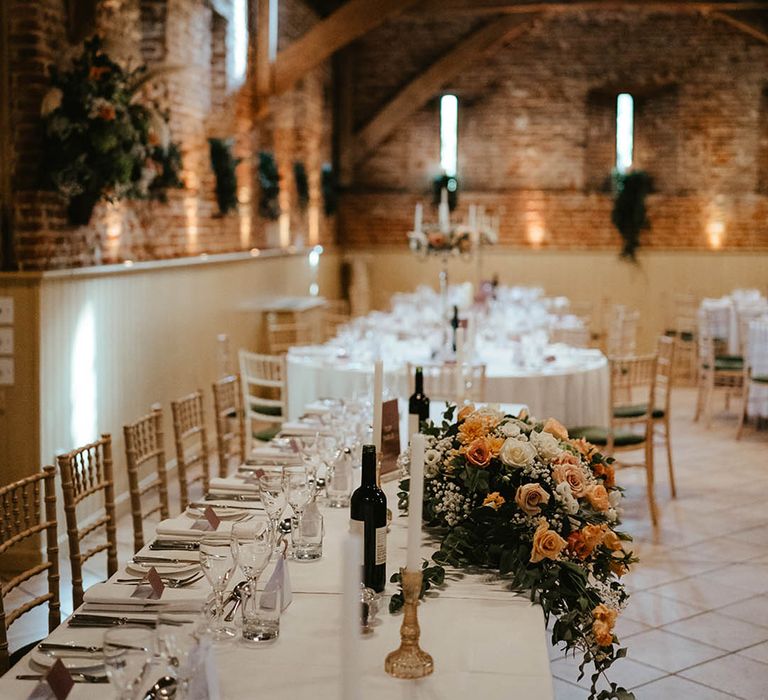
433,241
518,496
100,141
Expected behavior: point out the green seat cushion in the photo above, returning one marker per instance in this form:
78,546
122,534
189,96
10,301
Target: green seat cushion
599,436
687,336
760,378
266,434
729,363
267,410
636,411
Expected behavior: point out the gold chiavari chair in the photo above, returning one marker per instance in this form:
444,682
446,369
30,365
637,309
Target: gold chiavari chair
191,442
282,334
335,313
230,421
715,372
755,375
633,388
86,473
666,348
440,381
145,456
621,339
575,337
20,520
265,395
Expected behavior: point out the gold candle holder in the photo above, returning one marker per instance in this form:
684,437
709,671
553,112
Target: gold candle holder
409,661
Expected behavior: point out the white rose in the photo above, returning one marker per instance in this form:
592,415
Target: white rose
510,429
489,413
516,453
563,492
546,445
614,498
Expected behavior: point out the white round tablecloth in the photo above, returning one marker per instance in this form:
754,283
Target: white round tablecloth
574,388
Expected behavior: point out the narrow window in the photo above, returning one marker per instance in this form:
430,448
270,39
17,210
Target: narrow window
239,42
449,139
625,108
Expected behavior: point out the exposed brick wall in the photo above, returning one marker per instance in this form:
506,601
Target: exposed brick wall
531,145
184,33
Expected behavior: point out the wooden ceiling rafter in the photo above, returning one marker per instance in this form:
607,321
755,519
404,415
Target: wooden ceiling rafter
479,7
424,86
743,26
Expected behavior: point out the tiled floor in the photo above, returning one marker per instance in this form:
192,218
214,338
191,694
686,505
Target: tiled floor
696,627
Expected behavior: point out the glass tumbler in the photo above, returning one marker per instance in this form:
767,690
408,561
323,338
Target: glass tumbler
307,538
260,614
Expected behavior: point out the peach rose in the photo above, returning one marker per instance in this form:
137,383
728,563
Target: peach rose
465,411
606,472
587,449
578,546
593,535
554,427
494,500
547,544
603,621
618,568
566,458
530,498
574,476
478,453
495,444
598,498
611,541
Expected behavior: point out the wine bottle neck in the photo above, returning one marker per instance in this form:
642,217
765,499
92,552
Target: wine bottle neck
369,473
419,382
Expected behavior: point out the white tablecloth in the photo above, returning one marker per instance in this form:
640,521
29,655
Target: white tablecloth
486,641
574,389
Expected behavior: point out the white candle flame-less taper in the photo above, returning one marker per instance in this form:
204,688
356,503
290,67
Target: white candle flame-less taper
417,218
459,366
351,685
415,502
378,395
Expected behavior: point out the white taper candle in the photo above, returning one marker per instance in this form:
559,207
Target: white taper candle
350,618
378,394
417,217
415,502
459,365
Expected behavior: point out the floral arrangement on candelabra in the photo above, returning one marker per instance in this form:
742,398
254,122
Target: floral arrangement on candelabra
518,496
101,142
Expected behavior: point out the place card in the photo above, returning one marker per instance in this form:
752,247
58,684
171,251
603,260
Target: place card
253,477
151,588
390,436
57,684
209,522
279,582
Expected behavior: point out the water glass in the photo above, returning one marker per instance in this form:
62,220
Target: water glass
338,486
272,492
251,547
176,647
218,564
260,614
307,538
128,652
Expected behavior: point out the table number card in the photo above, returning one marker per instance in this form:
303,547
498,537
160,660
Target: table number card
209,522
390,436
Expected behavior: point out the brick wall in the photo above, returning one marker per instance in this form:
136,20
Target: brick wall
535,141
187,33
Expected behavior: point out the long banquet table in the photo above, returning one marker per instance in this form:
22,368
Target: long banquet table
487,642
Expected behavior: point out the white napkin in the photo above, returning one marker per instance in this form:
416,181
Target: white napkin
301,428
180,527
232,484
272,454
116,597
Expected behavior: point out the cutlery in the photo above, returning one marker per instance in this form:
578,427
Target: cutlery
175,544
240,497
76,677
165,687
167,581
237,593
224,506
51,647
86,620
139,559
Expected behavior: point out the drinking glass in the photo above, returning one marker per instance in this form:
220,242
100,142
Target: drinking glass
176,647
272,491
260,614
299,491
338,485
128,652
252,548
307,537
218,564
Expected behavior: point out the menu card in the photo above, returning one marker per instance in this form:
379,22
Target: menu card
390,436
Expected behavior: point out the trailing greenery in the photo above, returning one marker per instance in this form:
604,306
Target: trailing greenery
224,165
101,142
269,182
433,575
302,183
629,215
329,187
449,183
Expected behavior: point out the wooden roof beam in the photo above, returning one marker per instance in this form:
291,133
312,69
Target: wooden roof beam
423,87
746,27
430,7
351,21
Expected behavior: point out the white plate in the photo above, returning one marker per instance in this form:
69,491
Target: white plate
70,659
162,569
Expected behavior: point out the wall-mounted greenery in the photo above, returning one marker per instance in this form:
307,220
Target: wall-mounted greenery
330,189
629,215
224,164
269,182
449,183
302,183
100,141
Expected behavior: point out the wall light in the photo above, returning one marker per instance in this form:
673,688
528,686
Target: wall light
716,234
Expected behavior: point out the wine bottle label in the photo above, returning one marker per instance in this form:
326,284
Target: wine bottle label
413,424
381,545
356,527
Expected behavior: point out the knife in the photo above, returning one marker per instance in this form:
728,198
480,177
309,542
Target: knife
76,677
231,497
51,646
174,544
203,506
86,620
141,559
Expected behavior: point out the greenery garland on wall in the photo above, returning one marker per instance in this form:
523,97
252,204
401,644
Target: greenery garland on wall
224,164
101,142
629,215
269,182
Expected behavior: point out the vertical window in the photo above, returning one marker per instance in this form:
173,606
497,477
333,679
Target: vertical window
449,137
625,116
239,42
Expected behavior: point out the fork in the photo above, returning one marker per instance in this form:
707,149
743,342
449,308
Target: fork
167,581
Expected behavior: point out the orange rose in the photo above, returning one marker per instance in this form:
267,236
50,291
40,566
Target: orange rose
611,541
95,72
478,453
604,619
618,568
587,449
495,444
598,498
606,472
107,113
465,411
577,545
593,535
555,428
574,476
547,544
495,500
530,498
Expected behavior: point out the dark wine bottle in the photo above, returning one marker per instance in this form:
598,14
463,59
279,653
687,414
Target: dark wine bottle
418,404
368,513
455,325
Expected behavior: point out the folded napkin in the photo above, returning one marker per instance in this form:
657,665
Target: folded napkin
270,453
318,407
303,428
181,526
116,597
231,484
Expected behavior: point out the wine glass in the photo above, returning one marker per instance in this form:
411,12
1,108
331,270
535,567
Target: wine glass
176,647
128,652
272,491
299,490
252,548
218,564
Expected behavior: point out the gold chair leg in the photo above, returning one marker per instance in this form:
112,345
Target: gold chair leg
743,411
649,481
672,486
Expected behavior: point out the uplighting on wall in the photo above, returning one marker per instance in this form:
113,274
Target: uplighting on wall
716,234
535,232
